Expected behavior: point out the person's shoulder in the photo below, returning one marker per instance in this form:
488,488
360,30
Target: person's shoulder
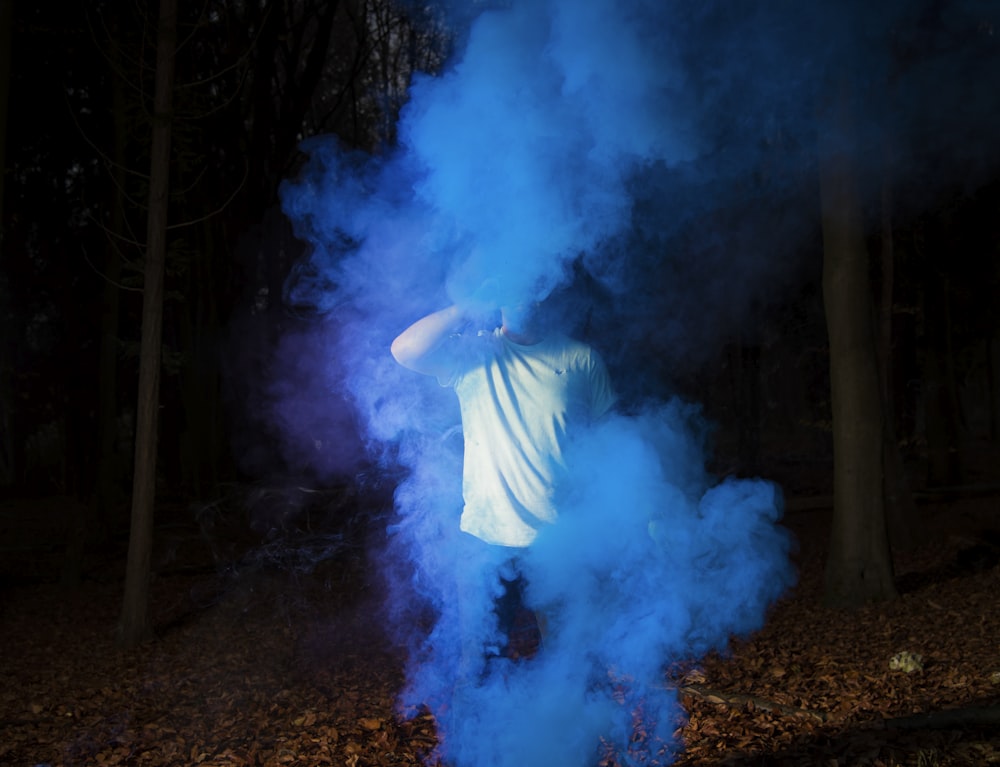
572,348
577,344
563,341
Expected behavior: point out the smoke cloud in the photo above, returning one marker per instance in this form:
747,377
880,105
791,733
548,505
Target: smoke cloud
648,167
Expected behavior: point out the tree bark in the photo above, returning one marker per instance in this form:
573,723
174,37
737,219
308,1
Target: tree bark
940,396
859,564
110,475
199,328
6,35
93,520
135,625
901,510
993,380
7,464
744,363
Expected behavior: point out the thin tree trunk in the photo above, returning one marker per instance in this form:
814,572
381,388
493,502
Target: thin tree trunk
6,34
93,520
744,363
940,397
135,625
900,508
7,464
109,472
859,563
993,380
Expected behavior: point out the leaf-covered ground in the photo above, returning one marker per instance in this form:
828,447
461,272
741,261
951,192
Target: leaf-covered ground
273,665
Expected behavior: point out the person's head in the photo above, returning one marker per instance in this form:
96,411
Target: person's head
521,322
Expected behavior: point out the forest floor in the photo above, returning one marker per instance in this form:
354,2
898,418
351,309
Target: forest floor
273,665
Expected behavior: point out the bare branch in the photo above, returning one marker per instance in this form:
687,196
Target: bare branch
105,277
739,699
217,211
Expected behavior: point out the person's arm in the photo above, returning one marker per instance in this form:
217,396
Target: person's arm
420,346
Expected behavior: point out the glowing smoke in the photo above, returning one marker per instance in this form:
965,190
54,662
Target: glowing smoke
509,170
587,135
519,155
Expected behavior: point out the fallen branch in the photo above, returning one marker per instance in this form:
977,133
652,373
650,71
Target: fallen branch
738,699
972,716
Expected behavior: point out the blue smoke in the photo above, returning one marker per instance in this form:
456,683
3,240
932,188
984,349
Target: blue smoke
664,151
648,563
520,159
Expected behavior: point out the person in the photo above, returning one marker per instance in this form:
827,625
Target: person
523,392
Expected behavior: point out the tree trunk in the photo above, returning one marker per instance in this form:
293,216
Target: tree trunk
108,487
7,465
6,35
859,564
744,362
900,507
135,625
993,380
198,328
940,396
95,518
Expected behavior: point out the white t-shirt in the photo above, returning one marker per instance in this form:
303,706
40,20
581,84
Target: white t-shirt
520,405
